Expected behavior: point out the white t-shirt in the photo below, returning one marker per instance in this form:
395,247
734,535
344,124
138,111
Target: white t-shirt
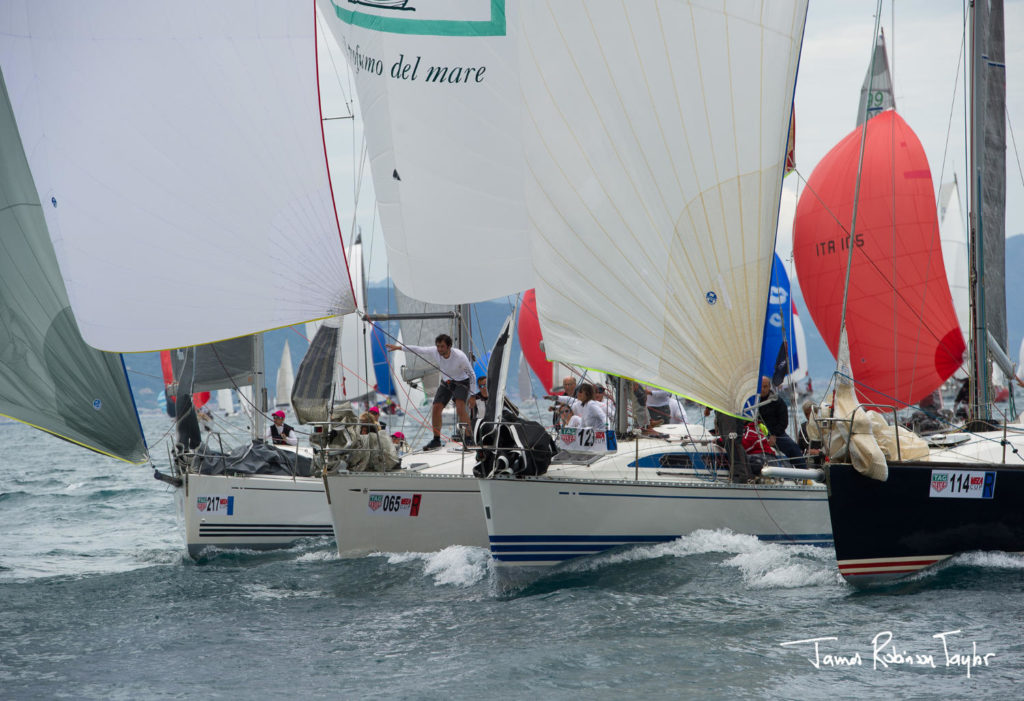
575,422
593,416
575,404
455,367
677,410
657,397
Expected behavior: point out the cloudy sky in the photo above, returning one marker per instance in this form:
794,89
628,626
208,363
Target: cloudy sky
924,41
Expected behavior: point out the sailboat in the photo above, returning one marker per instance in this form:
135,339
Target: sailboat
285,380
133,157
583,183
893,516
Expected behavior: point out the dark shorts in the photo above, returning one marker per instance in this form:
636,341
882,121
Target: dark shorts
452,389
660,412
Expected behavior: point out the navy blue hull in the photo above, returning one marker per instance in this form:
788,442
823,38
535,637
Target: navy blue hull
887,530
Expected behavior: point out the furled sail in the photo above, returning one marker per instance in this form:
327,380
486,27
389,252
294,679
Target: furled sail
903,333
876,94
440,109
355,354
49,377
186,134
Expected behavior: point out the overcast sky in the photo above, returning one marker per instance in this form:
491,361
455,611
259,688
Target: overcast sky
924,41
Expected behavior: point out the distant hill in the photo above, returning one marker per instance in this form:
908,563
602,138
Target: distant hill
487,318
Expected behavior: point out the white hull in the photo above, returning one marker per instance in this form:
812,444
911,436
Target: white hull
255,512
543,521
448,508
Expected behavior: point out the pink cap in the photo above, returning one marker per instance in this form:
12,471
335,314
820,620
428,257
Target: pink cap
374,410
399,435
278,413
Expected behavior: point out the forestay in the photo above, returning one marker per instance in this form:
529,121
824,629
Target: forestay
178,141
49,377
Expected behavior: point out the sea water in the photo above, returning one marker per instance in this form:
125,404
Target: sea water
99,601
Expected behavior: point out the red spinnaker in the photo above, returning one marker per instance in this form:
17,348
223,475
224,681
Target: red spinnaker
530,338
903,333
198,399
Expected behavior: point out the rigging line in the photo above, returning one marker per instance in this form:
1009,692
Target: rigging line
325,33
1013,140
952,107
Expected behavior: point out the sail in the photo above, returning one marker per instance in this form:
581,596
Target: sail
657,165
876,93
285,379
956,259
903,334
778,345
188,136
313,392
355,354
381,368
225,402
798,370
421,332
212,366
524,383
49,377
440,108
530,341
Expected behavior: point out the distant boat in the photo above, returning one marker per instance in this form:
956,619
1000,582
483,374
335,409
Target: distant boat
285,380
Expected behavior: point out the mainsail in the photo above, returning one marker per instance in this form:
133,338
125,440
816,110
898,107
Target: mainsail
49,377
903,334
640,147
876,94
215,164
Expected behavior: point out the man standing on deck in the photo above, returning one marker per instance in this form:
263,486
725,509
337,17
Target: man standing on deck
775,415
457,381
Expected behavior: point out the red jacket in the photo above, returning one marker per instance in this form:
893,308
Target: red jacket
755,442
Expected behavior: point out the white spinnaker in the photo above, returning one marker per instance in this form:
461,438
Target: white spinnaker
174,142
445,151
953,235
656,137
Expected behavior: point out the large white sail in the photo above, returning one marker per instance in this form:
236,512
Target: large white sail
173,142
440,107
657,139
640,144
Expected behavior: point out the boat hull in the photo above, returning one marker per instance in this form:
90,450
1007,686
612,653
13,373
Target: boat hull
404,512
888,530
254,512
539,522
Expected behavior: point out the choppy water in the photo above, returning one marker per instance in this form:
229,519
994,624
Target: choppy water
98,601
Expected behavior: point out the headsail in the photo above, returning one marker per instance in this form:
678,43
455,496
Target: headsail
189,135
657,166
903,334
49,377
440,108
530,341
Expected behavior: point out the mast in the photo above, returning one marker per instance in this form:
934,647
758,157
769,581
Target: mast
986,242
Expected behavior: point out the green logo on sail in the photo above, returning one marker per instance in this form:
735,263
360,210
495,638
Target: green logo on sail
421,17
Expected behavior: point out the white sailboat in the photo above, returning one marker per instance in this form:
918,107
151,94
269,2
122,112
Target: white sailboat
650,206
135,157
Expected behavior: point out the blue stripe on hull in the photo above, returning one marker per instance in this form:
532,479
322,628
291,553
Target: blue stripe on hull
541,548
